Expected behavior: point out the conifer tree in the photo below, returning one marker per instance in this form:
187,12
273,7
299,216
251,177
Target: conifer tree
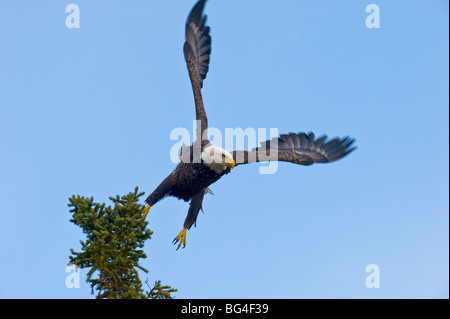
115,237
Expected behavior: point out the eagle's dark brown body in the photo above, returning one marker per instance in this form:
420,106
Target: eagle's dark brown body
191,179
187,180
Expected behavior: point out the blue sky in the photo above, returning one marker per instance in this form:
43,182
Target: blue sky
89,111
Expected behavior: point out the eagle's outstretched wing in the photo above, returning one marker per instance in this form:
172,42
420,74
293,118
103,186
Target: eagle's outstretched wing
197,50
301,148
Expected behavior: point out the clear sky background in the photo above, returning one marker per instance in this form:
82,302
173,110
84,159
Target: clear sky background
89,111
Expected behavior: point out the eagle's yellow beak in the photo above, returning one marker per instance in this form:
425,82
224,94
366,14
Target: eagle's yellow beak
230,162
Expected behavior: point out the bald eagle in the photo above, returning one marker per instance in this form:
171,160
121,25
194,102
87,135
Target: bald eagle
202,163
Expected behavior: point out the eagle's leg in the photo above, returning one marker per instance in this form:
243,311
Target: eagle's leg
159,193
181,238
145,211
194,208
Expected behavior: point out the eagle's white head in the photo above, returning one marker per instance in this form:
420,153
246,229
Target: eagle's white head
217,158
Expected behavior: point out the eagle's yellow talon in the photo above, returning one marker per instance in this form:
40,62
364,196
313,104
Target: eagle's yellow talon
145,211
181,238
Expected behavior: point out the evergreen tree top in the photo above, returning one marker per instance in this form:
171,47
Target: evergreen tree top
115,237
